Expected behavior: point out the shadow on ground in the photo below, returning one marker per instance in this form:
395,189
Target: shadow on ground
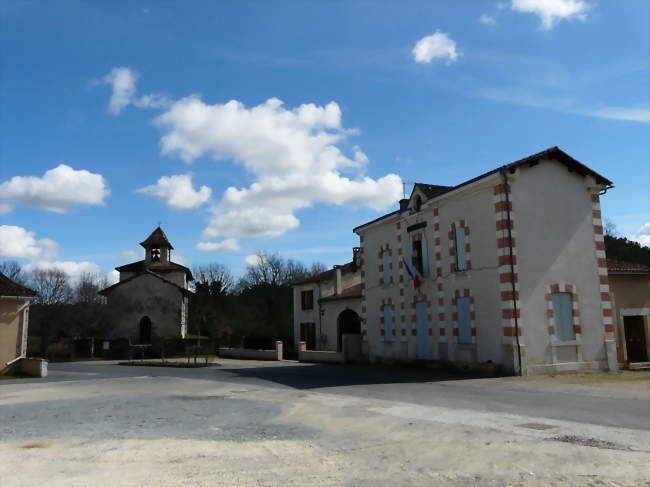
319,376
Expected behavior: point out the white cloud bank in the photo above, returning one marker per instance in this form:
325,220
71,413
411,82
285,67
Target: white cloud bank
291,153
58,190
19,243
177,192
438,45
123,82
228,244
552,11
643,235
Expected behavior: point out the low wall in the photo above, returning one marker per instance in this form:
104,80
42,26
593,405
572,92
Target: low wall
34,367
249,354
351,345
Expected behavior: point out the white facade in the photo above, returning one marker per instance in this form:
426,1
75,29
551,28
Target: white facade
514,250
323,306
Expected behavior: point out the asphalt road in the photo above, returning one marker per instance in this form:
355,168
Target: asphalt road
404,384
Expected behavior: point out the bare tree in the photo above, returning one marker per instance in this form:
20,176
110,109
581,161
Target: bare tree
87,286
52,286
214,278
13,271
610,228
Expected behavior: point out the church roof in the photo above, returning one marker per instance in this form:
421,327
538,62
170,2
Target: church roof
11,288
157,239
160,267
105,291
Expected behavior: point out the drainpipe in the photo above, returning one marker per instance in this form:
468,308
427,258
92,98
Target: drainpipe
512,268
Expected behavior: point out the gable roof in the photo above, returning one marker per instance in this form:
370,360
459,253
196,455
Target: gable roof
157,239
551,153
107,290
621,267
327,275
352,292
141,266
11,288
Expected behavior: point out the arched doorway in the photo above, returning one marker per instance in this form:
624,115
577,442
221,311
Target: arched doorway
144,330
348,322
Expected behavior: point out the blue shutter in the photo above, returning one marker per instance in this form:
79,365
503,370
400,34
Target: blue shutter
563,315
425,257
386,264
388,323
464,322
422,322
409,256
461,254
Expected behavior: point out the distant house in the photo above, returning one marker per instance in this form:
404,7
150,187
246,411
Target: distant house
14,321
630,288
150,301
508,267
328,305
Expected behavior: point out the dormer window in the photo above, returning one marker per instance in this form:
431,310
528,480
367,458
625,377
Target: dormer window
417,203
155,255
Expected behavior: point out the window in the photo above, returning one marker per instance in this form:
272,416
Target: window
388,323
308,335
385,256
418,256
563,316
464,320
461,248
155,255
417,204
307,299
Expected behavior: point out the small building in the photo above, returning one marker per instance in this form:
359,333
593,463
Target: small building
507,268
328,305
14,321
150,301
630,288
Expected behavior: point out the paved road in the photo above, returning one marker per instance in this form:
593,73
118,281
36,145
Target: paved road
404,384
290,424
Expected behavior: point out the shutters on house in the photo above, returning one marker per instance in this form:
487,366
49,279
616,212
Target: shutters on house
464,321
425,257
461,254
563,315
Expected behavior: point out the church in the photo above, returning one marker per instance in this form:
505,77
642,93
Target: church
150,301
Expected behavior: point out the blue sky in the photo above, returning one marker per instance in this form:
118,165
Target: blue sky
312,112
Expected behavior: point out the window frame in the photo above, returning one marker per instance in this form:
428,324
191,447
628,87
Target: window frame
307,304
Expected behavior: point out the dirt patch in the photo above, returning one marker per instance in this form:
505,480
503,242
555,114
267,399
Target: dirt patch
592,442
35,444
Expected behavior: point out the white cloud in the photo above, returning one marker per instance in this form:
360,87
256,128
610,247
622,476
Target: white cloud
622,113
643,235
293,156
224,245
486,19
437,45
178,259
177,192
58,190
552,11
123,82
113,277
73,269
19,243
252,260
130,255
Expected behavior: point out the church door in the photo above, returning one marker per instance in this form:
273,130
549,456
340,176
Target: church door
144,335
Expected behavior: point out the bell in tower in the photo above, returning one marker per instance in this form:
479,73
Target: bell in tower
157,247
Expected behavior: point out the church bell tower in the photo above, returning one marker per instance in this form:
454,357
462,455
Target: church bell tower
157,248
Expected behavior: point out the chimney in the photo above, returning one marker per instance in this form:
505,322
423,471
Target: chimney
355,257
403,205
337,279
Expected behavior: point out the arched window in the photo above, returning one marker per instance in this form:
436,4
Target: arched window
155,255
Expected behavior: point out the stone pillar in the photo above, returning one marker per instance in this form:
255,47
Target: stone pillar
278,349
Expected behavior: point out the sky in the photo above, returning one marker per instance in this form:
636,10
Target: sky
280,126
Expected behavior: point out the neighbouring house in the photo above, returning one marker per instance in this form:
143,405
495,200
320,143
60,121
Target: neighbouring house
508,268
150,301
327,306
630,288
14,322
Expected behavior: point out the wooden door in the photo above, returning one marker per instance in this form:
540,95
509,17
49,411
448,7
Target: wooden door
635,339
